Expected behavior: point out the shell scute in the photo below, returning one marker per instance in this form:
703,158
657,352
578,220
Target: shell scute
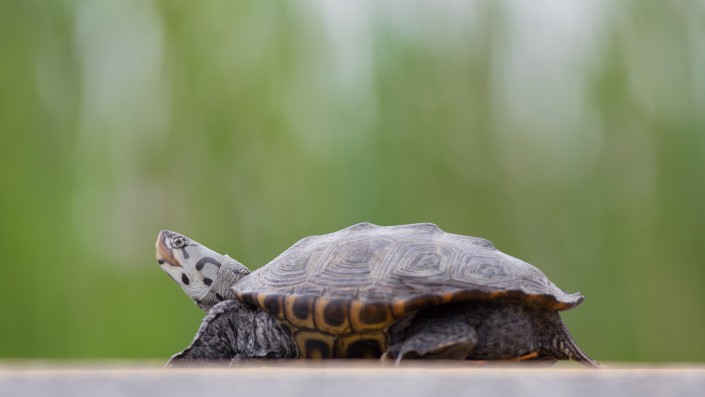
298,310
366,316
363,278
331,315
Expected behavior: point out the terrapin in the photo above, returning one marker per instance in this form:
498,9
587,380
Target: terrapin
368,291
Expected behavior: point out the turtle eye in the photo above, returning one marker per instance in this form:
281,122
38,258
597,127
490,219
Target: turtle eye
179,242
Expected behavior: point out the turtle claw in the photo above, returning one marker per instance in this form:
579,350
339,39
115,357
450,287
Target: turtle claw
391,354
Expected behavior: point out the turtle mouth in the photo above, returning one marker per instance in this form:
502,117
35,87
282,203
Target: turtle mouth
165,254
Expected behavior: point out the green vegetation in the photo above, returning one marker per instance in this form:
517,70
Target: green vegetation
572,135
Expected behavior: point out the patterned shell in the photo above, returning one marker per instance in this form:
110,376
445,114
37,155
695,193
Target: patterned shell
362,278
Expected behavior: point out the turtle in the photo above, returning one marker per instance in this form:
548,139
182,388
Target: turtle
368,291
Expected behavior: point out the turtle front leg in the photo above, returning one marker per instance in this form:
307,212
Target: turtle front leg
214,340
235,330
450,338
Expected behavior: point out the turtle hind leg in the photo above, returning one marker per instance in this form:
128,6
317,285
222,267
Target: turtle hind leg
562,346
449,338
573,352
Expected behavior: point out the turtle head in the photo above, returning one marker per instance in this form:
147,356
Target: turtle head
193,266
205,275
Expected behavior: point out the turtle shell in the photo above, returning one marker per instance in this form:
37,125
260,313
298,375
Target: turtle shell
338,293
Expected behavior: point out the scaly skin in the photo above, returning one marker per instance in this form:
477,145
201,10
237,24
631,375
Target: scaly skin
236,330
488,331
230,271
474,331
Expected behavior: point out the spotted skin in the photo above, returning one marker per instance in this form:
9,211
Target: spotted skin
409,291
205,275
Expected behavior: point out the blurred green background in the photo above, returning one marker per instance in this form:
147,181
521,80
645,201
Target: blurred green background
570,133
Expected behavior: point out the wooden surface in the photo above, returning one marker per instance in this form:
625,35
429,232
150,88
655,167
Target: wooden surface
347,379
